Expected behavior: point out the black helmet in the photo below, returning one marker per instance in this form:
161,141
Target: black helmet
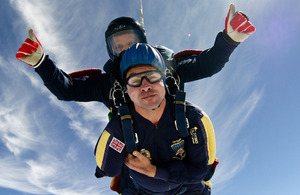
123,25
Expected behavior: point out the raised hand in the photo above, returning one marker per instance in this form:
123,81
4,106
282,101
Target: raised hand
237,25
31,51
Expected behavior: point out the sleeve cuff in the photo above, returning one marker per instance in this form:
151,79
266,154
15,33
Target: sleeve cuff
40,62
162,173
229,40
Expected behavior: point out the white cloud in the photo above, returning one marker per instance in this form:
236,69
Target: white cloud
229,125
43,159
86,125
16,118
228,168
13,175
229,98
41,17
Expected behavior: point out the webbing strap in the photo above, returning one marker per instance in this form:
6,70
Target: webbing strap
181,121
127,128
118,101
172,82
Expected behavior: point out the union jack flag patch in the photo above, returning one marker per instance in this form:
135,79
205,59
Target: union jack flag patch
117,145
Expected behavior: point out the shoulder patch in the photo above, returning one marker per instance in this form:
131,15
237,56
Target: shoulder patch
193,133
178,147
117,145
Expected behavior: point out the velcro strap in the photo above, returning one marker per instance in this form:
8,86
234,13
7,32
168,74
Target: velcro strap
92,72
126,117
179,102
186,53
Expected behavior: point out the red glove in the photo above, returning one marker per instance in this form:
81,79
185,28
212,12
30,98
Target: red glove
31,51
237,25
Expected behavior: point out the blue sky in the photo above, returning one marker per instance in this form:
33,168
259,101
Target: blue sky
46,145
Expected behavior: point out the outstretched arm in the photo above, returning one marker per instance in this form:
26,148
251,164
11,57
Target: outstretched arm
210,61
57,81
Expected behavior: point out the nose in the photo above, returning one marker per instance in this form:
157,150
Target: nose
145,86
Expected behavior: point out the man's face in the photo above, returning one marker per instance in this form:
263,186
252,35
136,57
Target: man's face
122,41
148,96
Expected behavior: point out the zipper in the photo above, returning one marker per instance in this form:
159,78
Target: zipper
159,145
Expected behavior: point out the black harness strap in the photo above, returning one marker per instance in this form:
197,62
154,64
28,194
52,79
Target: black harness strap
119,102
173,89
127,128
181,122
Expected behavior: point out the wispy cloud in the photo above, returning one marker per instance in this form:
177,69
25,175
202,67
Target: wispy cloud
232,149
42,17
12,176
230,98
36,152
86,119
39,154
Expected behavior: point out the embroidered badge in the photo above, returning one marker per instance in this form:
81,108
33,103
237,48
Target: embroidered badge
117,145
146,153
193,133
178,147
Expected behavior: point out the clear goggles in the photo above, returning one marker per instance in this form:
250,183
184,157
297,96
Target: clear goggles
122,40
151,76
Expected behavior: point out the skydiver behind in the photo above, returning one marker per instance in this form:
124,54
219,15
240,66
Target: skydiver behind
124,32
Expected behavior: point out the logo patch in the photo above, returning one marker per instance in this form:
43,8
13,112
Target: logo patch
193,133
119,27
178,147
117,145
187,61
146,153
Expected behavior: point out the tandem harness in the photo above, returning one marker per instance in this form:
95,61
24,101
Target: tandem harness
119,100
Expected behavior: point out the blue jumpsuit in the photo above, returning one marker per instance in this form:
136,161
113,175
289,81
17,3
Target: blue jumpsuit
180,162
172,173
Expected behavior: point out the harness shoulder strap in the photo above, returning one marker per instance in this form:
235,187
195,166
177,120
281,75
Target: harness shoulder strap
181,122
175,91
120,105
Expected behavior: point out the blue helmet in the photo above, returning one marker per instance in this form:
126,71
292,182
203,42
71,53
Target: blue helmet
142,54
